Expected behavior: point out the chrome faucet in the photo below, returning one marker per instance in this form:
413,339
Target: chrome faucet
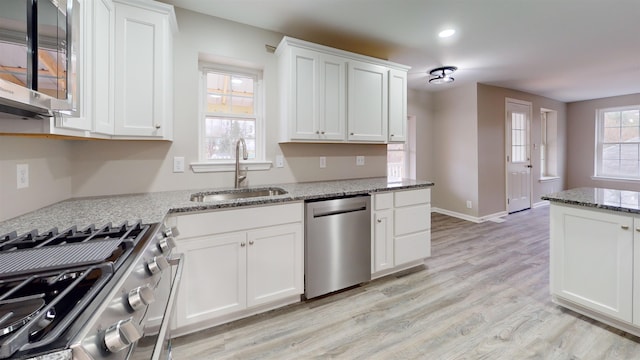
240,177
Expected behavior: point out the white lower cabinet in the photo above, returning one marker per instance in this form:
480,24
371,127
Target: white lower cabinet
401,230
238,262
592,263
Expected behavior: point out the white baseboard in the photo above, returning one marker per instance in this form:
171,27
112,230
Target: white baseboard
474,219
540,204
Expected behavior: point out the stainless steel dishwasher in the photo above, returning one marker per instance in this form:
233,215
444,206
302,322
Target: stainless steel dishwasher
337,244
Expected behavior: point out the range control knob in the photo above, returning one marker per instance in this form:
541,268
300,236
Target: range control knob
165,245
157,264
171,232
140,297
120,335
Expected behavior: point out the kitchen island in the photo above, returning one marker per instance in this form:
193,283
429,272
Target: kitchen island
595,254
154,207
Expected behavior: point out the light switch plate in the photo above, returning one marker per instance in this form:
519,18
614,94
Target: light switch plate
279,161
359,160
22,175
323,162
178,164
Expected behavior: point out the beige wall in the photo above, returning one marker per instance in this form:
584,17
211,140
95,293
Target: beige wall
455,156
581,126
49,173
491,145
420,105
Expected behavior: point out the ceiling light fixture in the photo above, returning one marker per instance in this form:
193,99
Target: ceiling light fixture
442,75
446,33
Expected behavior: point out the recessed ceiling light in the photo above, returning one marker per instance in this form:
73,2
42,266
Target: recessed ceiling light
446,33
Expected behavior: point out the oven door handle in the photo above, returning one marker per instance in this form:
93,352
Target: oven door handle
178,261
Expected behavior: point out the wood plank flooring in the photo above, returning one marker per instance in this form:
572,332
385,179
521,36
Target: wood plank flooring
484,294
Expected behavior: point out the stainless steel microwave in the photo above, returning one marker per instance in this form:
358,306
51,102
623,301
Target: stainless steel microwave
38,57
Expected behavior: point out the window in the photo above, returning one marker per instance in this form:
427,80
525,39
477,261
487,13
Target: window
396,161
549,144
401,158
618,143
519,141
231,109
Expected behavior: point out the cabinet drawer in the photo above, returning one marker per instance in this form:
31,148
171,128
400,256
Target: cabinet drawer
383,201
412,247
412,197
412,219
239,219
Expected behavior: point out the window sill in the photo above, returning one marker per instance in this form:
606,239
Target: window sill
204,167
545,179
606,178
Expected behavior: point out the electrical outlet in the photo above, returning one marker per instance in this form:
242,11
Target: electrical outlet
178,164
469,204
22,175
359,160
323,162
279,161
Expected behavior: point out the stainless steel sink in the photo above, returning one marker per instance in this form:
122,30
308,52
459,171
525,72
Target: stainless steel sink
236,194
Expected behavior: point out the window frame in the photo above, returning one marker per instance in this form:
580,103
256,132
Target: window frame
599,144
223,165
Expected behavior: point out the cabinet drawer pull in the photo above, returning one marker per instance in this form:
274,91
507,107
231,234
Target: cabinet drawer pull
625,227
379,220
242,244
250,242
638,229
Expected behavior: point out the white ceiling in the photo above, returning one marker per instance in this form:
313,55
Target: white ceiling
567,50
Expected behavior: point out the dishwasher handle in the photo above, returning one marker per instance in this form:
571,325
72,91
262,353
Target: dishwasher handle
340,208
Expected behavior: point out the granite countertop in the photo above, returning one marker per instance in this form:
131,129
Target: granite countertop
609,199
153,207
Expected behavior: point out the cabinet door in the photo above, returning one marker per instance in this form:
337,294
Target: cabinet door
274,263
303,111
102,65
636,271
382,240
397,105
592,260
318,93
214,278
332,97
141,59
367,102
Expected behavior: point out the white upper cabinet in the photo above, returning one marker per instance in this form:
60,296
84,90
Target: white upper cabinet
368,102
397,105
330,95
315,95
144,76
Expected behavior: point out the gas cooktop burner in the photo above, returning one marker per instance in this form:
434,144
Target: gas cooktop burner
15,314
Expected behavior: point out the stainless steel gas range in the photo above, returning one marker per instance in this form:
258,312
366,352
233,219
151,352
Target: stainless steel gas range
93,293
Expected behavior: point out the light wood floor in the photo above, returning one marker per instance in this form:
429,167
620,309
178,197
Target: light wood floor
484,294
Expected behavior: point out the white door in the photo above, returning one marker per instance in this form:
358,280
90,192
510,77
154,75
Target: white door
518,125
